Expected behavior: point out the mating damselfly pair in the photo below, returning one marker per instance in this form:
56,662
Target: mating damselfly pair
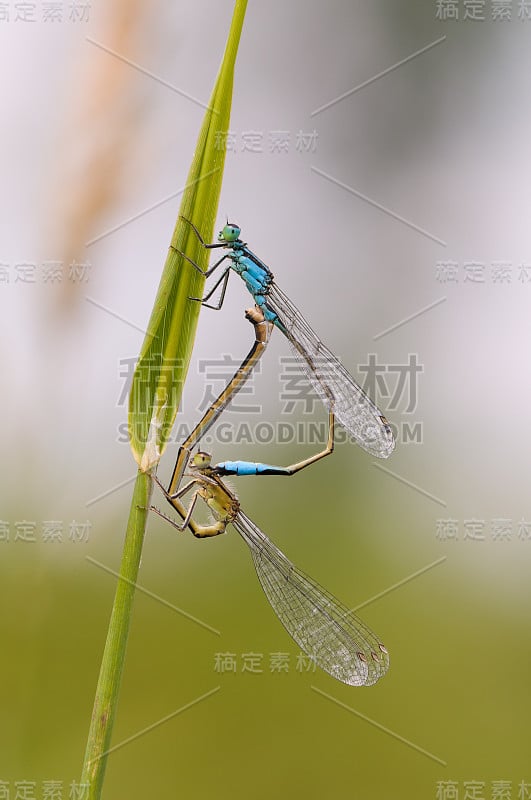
327,631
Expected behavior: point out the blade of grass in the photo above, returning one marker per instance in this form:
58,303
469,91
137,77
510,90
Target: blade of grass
157,388
165,355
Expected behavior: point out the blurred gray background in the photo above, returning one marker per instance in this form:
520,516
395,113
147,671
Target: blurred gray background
379,163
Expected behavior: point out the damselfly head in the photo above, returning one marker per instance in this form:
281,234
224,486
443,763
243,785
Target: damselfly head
200,460
229,233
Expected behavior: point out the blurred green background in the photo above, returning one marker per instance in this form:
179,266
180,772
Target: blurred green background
429,164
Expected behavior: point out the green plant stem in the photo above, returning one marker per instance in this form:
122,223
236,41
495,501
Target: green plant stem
109,680
170,340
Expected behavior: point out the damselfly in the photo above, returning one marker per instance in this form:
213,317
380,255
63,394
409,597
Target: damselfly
328,632
333,383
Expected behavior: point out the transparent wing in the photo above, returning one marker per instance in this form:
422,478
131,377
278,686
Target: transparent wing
335,386
330,634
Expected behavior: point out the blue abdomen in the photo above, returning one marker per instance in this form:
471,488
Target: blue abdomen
246,468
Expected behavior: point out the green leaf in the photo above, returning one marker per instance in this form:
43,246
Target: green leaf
165,356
